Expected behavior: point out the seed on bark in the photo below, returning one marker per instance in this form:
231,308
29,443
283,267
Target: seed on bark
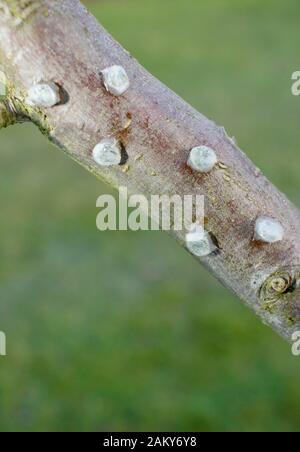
44,95
199,242
268,230
108,152
202,159
115,80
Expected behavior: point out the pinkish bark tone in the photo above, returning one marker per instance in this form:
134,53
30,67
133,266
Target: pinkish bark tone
61,42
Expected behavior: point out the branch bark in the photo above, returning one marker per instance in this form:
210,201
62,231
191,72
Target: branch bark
51,40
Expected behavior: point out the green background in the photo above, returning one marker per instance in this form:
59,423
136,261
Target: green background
121,330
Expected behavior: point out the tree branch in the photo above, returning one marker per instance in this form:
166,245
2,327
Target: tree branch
60,42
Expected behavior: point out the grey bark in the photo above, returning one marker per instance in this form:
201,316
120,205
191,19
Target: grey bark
59,41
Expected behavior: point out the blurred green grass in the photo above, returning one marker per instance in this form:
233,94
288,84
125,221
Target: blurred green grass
122,331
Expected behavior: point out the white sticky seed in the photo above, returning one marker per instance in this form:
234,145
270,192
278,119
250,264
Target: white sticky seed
44,95
202,159
108,152
268,230
115,80
198,241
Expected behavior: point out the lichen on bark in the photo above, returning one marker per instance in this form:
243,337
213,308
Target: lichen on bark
6,117
18,10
